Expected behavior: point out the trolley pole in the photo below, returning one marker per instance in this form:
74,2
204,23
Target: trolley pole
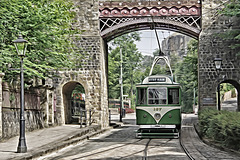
121,83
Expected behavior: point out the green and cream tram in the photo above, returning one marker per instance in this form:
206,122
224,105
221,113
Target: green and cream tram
158,109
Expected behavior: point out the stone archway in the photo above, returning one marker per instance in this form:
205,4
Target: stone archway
67,100
237,87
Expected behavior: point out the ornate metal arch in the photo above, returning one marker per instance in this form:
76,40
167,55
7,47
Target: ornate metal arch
120,18
118,27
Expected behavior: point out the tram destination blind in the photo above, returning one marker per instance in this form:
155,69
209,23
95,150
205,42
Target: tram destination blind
157,80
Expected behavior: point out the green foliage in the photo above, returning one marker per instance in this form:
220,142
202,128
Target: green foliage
160,69
221,126
78,92
187,75
225,87
46,24
131,59
232,9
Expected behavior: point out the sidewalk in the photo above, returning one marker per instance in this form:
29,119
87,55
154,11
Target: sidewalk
229,105
47,140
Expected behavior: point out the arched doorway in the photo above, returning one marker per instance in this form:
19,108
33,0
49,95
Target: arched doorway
228,95
74,101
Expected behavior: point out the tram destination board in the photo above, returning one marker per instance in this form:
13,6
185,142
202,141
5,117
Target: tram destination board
157,79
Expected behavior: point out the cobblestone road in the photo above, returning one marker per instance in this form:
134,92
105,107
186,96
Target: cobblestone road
121,143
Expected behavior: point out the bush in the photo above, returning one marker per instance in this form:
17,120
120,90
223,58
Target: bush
222,127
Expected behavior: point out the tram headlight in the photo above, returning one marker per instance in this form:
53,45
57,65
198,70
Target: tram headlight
157,116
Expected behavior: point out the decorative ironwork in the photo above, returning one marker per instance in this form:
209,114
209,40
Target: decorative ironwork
118,18
154,11
113,27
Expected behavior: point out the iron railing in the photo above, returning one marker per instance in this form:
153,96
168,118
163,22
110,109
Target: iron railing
84,116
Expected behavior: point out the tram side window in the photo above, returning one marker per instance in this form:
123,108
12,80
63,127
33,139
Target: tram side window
142,96
173,96
157,95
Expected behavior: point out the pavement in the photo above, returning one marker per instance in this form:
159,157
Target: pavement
229,105
48,140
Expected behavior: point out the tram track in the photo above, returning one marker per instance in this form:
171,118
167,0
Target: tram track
184,149
185,136
145,150
120,143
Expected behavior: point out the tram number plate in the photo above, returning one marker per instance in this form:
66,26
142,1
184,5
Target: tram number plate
157,80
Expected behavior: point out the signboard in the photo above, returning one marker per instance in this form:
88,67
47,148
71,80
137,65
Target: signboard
157,79
208,101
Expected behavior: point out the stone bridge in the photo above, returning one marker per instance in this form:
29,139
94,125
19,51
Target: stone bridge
105,20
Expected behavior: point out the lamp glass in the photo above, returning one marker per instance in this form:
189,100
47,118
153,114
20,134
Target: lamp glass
218,64
21,45
21,48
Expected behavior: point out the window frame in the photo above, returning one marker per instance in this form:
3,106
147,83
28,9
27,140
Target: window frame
159,99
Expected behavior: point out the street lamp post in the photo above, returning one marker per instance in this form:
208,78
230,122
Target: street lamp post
21,46
121,88
218,63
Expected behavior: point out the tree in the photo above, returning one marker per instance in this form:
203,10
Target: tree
131,61
187,75
232,9
46,24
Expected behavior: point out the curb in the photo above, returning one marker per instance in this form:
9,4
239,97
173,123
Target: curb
83,134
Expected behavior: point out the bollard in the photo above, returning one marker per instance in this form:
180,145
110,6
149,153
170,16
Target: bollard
109,117
90,117
80,118
85,114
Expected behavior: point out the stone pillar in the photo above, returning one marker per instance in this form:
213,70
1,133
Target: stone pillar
104,83
212,45
1,99
94,64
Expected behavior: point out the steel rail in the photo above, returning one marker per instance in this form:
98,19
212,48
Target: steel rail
184,148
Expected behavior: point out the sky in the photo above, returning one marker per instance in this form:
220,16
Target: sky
148,43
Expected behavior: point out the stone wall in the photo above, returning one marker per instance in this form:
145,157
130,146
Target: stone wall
91,69
33,120
1,97
10,111
87,18
90,75
211,46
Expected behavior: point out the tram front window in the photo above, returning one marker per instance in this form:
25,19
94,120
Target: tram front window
157,95
142,96
173,96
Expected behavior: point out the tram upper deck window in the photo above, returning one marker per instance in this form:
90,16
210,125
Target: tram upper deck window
157,95
173,95
142,96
